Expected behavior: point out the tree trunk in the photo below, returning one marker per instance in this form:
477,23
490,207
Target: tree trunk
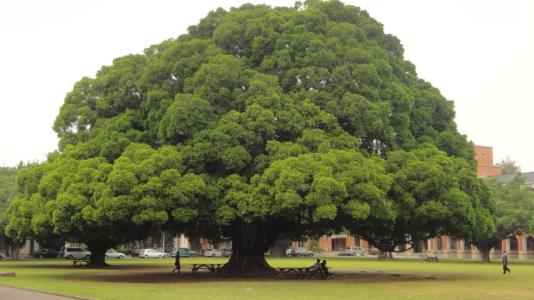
484,254
98,255
249,244
484,247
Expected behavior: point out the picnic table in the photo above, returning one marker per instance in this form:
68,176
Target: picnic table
306,272
210,267
83,260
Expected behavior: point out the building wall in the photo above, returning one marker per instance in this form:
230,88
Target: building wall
484,158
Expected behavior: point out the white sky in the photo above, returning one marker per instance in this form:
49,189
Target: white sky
480,54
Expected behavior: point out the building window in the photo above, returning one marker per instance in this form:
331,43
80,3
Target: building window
452,243
440,243
498,246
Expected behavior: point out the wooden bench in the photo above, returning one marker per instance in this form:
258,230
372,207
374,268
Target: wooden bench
210,267
307,273
80,261
431,258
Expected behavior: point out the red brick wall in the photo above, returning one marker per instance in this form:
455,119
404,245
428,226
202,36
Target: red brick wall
484,158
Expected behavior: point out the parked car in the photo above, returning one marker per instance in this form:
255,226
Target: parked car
152,253
46,253
184,252
300,252
218,252
351,251
76,252
112,253
2,256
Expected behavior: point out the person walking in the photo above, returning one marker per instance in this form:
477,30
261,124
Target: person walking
505,263
177,262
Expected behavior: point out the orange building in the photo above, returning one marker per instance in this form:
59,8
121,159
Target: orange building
484,158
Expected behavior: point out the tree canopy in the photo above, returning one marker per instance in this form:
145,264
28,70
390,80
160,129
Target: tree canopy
260,123
513,213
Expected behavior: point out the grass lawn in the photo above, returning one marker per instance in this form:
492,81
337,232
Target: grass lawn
355,278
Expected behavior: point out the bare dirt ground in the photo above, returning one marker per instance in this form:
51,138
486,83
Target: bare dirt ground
158,274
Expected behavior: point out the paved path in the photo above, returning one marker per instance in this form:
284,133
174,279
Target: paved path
9,293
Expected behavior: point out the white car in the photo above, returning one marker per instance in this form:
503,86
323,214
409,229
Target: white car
76,252
112,253
148,253
218,252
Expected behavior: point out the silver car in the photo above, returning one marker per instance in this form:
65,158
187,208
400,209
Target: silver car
76,252
152,253
112,253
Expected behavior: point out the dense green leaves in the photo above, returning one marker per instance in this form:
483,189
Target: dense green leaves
307,119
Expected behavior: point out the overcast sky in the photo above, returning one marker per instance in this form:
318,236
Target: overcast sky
480,54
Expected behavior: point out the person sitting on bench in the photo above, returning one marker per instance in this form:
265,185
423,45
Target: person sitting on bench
318,268
325,270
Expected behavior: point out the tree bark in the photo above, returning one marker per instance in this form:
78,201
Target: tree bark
98,255
249,244
484,247
484,254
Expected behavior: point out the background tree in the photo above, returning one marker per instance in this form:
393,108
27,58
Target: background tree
270,123
431,194
509,167
7,191
513,204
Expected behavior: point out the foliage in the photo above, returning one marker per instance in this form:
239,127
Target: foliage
260,123
513,212
509,167
431,194
315,247
7,188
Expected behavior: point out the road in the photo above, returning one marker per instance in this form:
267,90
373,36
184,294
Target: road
9,293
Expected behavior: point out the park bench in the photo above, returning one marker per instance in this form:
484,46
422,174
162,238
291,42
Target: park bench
431,258
305,273
80,261
210,267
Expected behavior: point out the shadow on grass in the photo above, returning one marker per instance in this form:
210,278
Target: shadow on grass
78,267
158,276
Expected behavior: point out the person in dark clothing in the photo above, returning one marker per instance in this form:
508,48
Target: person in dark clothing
505,263
317,269
177,262
325,270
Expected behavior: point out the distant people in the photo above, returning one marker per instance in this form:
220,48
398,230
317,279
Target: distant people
317,268
505,263
177,262
324,268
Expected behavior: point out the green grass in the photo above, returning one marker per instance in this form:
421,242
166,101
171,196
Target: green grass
370,279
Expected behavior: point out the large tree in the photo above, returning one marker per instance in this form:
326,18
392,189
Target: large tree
513,213
260,123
